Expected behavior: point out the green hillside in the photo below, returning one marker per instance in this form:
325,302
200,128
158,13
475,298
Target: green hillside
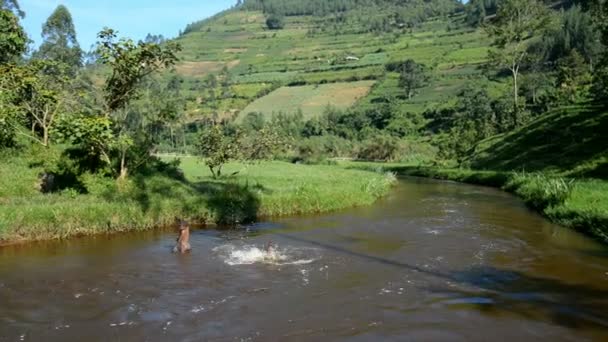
248,61
571,141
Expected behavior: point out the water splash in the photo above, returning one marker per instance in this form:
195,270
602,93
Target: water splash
250,255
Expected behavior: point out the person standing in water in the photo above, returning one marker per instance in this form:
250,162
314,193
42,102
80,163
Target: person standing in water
183,241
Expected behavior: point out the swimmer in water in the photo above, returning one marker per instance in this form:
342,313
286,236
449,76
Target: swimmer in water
269,247
183,241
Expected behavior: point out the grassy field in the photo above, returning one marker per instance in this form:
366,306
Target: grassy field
152,200
312,100
569,141
578,203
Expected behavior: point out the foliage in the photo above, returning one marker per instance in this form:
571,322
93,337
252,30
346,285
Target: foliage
540,191
516,22
217,148
478,10
263,144
130,64
573,79
13,39
59,40
599,8
574,31
38,98
275,22
380,148
412,77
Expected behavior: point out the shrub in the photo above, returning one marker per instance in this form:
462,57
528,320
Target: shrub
381,147
275,22
540,191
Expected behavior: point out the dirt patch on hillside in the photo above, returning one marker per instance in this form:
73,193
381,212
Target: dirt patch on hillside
235,50
199,69
340,97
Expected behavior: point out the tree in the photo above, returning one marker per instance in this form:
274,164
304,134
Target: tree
59,40
412,77
573,78
217,148
516,22
37,99
13,40
576,31
130,63
599,8
12,6
275,22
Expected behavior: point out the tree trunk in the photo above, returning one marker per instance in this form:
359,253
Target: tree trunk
124,172
172,137
45,136
212,172
515,90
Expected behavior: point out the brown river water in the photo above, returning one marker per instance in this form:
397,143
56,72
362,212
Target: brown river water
434,261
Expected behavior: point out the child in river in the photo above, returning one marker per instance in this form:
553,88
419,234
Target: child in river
183,241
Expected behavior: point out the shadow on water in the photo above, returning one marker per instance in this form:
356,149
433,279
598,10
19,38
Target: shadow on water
511,292
227,203
492,290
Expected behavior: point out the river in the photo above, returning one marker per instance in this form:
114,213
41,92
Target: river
434,261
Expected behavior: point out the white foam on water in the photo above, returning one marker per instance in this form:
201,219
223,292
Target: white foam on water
250,255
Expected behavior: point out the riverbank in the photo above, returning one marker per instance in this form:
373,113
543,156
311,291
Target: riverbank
577,203
146,201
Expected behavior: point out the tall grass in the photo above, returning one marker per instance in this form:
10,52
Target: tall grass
254,191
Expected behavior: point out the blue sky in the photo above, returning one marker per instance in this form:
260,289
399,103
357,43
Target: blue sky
132,18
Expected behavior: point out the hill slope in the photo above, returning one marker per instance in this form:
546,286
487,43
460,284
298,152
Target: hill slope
248,61
571,141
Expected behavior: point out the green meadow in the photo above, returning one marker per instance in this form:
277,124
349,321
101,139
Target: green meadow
156,198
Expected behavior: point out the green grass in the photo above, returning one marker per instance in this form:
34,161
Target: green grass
254,191
581,204
311,99
292,55
570,141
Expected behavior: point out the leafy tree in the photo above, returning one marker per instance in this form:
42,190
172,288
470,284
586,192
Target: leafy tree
412,77
599,9
13,40
38,99
573,78
59,40
516,22
576,31
217,148
254,121
275,22
13,6
477,11
130,63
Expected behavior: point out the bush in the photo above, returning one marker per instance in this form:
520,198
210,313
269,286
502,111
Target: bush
275,22
381,147
7,135
540,191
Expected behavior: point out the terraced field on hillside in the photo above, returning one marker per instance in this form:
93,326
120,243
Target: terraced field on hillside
269,71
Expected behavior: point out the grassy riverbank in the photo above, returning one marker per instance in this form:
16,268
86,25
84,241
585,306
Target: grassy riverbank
577,203
154,199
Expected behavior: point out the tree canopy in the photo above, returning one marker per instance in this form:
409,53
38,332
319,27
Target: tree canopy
13,39
59,39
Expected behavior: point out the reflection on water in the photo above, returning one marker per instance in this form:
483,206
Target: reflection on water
433,261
